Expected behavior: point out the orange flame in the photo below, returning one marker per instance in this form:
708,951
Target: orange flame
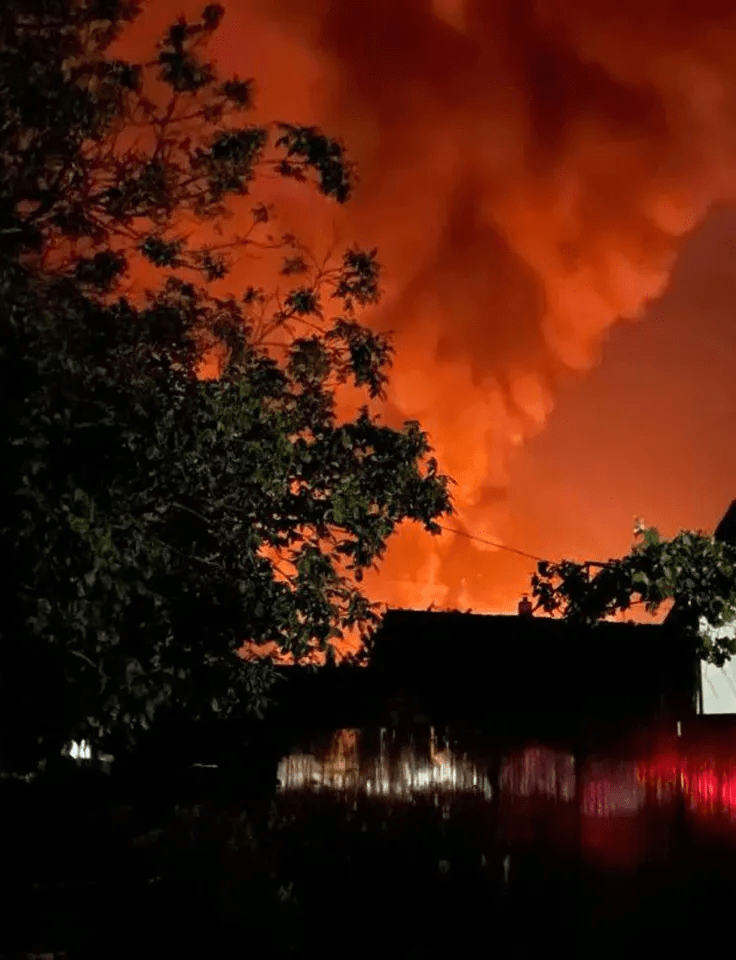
529,171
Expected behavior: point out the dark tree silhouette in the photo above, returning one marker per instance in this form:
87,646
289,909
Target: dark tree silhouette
153,521
694,569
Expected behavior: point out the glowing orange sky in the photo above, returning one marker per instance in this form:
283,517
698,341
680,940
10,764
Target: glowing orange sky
531,173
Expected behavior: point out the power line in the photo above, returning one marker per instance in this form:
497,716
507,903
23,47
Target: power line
490,543
521,553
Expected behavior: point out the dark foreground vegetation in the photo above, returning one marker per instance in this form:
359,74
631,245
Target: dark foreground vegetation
174,482
175,478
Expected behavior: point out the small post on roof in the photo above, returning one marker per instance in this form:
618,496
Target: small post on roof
525,607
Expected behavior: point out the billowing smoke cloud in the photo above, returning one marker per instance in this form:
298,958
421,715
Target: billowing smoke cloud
527,172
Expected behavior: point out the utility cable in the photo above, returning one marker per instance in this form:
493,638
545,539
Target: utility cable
490,543
521,553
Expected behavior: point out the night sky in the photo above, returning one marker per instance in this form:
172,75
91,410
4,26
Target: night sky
548,185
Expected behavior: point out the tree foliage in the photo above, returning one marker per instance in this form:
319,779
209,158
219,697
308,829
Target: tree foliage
152,520
694,570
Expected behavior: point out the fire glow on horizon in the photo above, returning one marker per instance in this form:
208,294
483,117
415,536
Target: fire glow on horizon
528,172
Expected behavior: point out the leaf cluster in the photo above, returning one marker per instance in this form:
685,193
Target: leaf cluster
692,569
153,521
76,182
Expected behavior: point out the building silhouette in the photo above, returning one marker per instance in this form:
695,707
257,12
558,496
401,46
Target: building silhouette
717,686
530,672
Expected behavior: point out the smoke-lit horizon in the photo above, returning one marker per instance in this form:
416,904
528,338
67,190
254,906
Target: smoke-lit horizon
528,171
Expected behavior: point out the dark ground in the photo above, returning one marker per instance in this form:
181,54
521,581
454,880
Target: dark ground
181,862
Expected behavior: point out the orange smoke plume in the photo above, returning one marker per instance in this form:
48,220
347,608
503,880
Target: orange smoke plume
528,170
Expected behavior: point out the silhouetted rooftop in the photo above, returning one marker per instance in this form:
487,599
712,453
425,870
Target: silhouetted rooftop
445,621
726,529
